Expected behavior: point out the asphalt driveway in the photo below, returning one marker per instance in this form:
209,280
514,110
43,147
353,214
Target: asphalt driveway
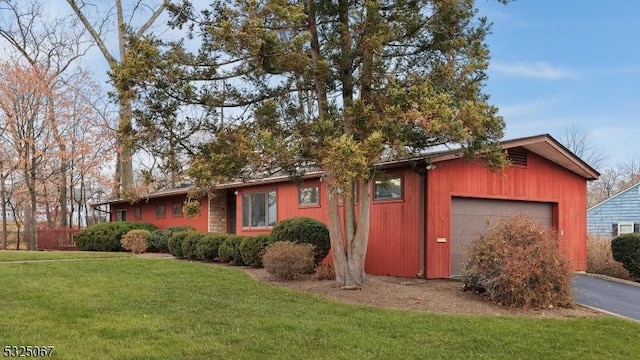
620,298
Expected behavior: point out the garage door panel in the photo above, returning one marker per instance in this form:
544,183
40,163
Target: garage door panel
470,218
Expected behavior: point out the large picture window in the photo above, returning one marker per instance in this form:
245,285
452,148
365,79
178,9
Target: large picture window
388,188
259,209
308,195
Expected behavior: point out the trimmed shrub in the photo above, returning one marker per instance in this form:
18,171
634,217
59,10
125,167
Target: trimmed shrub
626,249
175,243
229,250
600,259
189,244
325,272
517,263
252,248
136,240
304,230
207,247
158,242
106,236
288,260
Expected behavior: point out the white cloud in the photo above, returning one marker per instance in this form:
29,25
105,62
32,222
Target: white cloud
538,70
527,108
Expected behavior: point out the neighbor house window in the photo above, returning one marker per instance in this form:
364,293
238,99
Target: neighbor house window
259,209
160,211
625,228
176,210
137,213
389,188
309,195
121,215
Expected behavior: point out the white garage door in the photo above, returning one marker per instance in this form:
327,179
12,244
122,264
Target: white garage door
471,217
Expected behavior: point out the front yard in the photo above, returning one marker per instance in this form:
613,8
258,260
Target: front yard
129,307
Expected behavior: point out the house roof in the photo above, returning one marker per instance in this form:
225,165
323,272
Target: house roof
615,196
543,145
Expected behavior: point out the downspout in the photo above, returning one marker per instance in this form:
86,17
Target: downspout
421,226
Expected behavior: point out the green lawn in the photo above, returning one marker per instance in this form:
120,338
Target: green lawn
135,308
12,255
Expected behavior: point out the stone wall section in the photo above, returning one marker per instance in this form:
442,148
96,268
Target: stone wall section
218,211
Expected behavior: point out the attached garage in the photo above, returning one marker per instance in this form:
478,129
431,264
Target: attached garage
471,217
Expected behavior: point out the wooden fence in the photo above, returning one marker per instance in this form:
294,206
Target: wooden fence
56,239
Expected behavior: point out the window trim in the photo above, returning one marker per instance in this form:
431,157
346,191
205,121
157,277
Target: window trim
137,213
161,214
311,204
175,206
266,212
388,178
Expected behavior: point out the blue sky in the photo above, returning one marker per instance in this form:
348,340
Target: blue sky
558,64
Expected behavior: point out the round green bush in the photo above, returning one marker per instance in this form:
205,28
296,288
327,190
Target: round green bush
207,247
175,243
158,241
189,244
252,248
304,230
626,250
107,236
229,250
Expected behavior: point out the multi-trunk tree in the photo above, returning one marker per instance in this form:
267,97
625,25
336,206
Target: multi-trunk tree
331,85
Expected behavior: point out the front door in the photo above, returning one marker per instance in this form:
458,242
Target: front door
231,212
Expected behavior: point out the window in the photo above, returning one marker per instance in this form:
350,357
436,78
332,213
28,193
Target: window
160,211
121,215
176,210
625,228
137,213
388,188
259,209
308,195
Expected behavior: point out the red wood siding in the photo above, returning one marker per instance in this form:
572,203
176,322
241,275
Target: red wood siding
393,239
148,213
287,204
540,180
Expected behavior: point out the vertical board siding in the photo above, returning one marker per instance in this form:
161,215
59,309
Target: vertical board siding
541,180
624,206
148,213
393,238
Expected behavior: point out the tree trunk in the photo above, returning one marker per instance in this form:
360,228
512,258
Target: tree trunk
4,214
125,145
349,250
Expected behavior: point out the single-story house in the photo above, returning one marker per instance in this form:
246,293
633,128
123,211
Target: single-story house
617,215
421,218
